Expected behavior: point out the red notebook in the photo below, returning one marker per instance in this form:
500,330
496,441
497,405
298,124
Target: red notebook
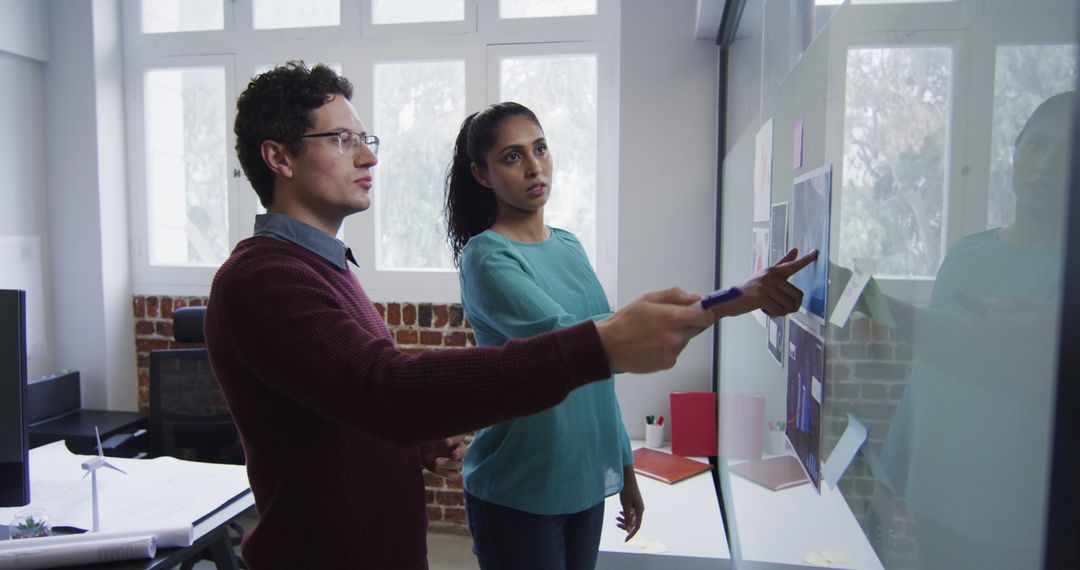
665,466
693,423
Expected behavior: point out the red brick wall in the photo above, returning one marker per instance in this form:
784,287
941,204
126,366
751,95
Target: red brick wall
867,372
416,327
153,331
425,326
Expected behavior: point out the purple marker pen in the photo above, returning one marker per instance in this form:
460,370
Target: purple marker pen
720,296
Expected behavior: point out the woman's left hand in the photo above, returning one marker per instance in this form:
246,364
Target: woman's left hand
443,457
633,507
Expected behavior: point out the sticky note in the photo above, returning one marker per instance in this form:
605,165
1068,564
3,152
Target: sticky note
864,269
835,556
796,144
844,452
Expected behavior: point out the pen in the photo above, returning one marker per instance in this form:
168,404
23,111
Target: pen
722,296
660,422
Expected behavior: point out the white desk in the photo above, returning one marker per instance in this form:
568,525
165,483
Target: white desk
684,516
162,493
781,527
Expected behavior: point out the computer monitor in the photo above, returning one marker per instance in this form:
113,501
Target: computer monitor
14,442
805,391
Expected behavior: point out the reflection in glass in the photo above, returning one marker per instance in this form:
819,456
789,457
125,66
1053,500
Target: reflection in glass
418,110
416,11
164,16
545,8
1024,76
562,90
186,172
972,425
274,14
895,139
951,370
789,27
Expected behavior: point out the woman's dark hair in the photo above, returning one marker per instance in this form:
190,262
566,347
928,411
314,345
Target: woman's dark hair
277,105
470,207
1057,106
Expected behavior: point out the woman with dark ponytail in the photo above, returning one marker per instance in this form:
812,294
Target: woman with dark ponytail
534,486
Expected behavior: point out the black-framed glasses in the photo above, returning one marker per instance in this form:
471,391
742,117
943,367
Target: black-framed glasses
349,141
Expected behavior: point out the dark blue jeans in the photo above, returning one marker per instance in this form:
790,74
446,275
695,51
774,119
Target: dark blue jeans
509,539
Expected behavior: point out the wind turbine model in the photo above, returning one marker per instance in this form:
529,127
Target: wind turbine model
91,468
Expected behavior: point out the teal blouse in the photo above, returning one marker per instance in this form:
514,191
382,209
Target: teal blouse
570,457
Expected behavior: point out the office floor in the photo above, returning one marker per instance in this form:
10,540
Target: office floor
450,551
447,550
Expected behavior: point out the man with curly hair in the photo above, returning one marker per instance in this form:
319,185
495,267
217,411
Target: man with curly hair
335,421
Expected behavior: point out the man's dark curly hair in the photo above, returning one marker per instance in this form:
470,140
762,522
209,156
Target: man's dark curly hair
277,105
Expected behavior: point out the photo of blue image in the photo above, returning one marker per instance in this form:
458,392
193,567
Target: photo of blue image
811,204
805,390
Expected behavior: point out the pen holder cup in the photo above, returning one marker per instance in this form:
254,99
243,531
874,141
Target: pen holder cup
775,442
654,435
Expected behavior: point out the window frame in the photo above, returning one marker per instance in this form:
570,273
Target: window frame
358,45
937,29
181,279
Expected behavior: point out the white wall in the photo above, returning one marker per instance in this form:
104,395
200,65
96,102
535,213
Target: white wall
122,379
86,204
667,179
23,218
23,29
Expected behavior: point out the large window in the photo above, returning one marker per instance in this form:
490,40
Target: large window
416,11
545,8
419,68
1024,76
271,14
164,16
562,91
418,108
186,166
896,120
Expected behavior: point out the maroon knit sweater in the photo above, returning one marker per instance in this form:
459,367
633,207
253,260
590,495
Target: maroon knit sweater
330,413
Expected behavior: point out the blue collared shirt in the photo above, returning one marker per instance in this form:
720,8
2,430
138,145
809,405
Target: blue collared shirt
287,228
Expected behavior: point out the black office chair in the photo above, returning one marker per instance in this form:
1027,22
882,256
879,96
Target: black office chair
189,418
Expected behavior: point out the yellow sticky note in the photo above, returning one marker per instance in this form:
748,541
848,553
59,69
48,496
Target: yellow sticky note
655,547
638,541
835,556
816,559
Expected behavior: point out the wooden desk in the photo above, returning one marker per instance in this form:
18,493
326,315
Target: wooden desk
685,517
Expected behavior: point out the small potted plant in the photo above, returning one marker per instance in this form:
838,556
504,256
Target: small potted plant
30,524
